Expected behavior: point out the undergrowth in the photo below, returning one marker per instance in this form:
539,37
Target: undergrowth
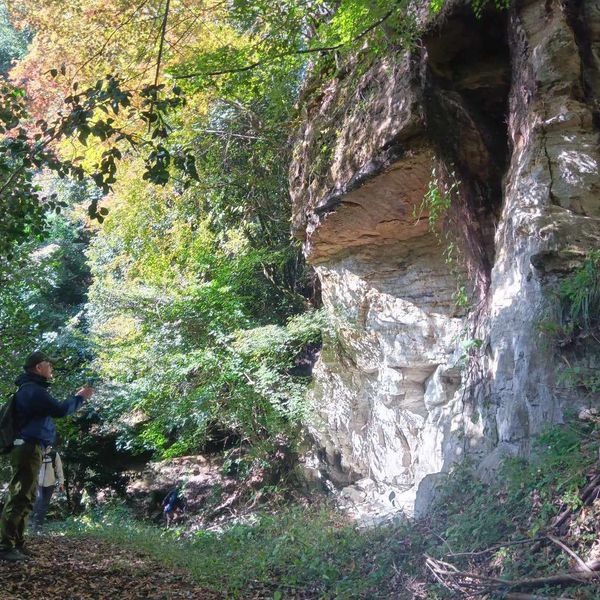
579,297
492,529
300,552
497,530
474,516
573,326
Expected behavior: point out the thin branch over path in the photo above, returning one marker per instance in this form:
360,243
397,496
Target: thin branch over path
293,52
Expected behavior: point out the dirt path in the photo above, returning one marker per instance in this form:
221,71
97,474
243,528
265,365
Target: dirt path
88,569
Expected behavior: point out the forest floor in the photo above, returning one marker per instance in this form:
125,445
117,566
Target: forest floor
534,533
91,569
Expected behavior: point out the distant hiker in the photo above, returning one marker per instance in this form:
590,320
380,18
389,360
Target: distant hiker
51,474
34,431
173,505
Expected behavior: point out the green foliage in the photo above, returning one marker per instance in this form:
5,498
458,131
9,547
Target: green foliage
470,347
437,200
436,206
579,297
297,30
242,382
528,494
580,376
478,5
26,149
576,323
461,297
314,551
43,289
42,297
203,279
436,6
190,328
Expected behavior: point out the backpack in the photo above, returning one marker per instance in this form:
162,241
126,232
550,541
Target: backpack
7,425
174,499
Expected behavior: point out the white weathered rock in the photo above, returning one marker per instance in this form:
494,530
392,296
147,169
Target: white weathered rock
407,383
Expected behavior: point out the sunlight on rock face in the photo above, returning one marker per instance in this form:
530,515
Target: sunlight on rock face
574,164
505,295
382,382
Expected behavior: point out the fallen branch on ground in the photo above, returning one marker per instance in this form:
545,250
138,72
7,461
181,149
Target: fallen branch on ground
558,579
498,546
520,596
587,493
580,563
464,582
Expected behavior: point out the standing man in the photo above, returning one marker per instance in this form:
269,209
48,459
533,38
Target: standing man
35,430
51,473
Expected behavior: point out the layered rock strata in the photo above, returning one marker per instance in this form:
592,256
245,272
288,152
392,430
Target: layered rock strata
502,113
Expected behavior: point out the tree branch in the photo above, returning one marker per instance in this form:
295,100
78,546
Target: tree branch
558,579
495,547
295,52
163,31
570,552
523,596
111,35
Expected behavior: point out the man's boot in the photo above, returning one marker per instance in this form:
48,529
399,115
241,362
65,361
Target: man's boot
13,555
26,551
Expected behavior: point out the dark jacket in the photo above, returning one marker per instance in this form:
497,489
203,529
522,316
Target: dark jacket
173,500
35,408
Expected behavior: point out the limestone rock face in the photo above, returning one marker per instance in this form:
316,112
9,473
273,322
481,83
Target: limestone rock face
503,113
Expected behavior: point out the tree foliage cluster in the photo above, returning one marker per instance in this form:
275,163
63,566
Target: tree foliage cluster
190,326
12,43
26,148
43,292
196,311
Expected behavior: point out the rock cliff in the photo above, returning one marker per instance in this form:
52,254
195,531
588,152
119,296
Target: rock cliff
436,351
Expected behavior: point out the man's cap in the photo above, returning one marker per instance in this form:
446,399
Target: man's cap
37,357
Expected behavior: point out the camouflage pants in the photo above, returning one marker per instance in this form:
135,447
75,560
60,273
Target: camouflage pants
26,461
